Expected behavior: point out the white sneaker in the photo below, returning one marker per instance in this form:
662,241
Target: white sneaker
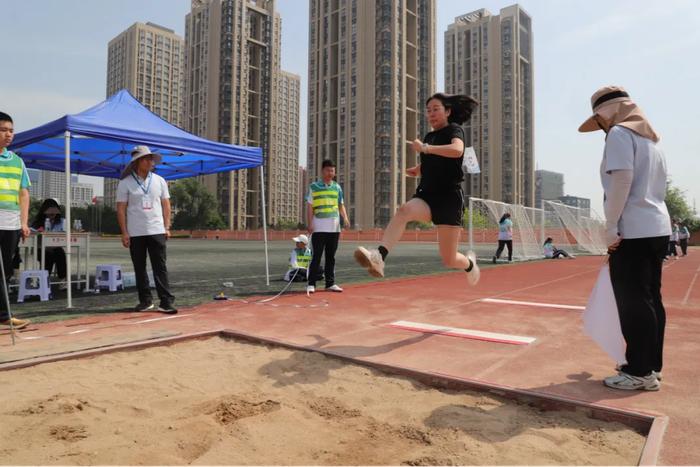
628,382
658,374
334,288
310,289
370,259
473,275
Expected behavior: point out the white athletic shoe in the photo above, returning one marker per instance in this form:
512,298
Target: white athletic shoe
334,288
310,289
473,275
370,259
628,382
658,374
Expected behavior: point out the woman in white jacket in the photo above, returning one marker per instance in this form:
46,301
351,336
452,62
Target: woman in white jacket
633,175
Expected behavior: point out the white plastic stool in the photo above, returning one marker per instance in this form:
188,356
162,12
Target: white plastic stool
43,290
108,275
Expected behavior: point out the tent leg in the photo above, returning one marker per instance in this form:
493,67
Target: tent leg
264,222
68,220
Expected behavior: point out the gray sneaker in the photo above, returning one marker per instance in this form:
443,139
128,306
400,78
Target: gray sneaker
658,374
628,382
370,259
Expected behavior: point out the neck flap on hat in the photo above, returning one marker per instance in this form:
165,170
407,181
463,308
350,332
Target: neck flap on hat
629,115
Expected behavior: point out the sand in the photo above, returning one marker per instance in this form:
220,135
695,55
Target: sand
220,401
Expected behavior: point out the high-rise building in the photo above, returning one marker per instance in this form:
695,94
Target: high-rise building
35,180
148,60
548,186
53,185
490,58
232,79
81,194
371,69
303,190
283,207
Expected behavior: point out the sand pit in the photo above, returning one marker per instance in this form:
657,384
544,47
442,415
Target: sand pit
220,401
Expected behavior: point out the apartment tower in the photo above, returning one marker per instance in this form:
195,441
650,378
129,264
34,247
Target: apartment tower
148,60
490,58
232,79
371,69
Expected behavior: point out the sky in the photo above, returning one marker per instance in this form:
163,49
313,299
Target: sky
55,63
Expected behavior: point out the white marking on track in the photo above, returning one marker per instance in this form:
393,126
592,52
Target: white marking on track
535,304
464,333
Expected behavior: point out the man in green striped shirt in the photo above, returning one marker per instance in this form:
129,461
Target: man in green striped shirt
14,210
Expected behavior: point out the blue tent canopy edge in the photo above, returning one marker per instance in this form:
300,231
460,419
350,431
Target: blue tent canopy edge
102,138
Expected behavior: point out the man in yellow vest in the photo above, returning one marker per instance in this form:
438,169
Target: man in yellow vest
14,212
325,206
299,260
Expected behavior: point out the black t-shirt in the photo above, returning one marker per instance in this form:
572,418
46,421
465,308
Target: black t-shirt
441,174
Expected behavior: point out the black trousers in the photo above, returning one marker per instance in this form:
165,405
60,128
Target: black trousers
635,272
55,256
323,242
558,253
684,246
9,239
154,246
501,244
672,248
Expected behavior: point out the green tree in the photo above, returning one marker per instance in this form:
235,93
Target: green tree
196,207
677,205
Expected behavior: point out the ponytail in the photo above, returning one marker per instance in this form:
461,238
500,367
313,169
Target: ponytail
460,106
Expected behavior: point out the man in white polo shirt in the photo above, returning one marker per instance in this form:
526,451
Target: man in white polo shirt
633,174
143,211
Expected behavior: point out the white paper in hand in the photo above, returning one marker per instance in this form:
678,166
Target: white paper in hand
601,320
470,164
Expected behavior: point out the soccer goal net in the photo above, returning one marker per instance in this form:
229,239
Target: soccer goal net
586,228
483,219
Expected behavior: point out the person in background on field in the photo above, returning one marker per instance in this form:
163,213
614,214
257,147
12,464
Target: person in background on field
633,174
299,260
325,206
683,237
505,237
143,212
550,251
673,240
14,212
49,219
439,197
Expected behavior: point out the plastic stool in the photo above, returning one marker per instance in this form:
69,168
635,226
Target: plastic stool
43,290
108,275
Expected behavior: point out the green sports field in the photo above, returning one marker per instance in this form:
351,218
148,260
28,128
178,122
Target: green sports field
199,268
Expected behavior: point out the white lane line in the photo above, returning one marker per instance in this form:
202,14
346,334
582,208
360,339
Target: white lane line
690,287
536,304
464,333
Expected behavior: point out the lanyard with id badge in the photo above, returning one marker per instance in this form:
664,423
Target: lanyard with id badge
146,203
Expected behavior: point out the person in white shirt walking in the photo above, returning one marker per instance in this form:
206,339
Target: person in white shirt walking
633,174
143,212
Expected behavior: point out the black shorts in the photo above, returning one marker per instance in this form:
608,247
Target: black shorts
445,208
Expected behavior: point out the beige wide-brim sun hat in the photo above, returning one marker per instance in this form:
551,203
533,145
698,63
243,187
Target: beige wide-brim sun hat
137,153
619,109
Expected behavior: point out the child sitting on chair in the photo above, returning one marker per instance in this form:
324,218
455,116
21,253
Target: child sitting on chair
550,251
299,260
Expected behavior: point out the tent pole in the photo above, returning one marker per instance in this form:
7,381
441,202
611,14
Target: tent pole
264,222
68,220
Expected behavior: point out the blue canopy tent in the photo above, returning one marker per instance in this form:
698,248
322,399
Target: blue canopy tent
98,142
